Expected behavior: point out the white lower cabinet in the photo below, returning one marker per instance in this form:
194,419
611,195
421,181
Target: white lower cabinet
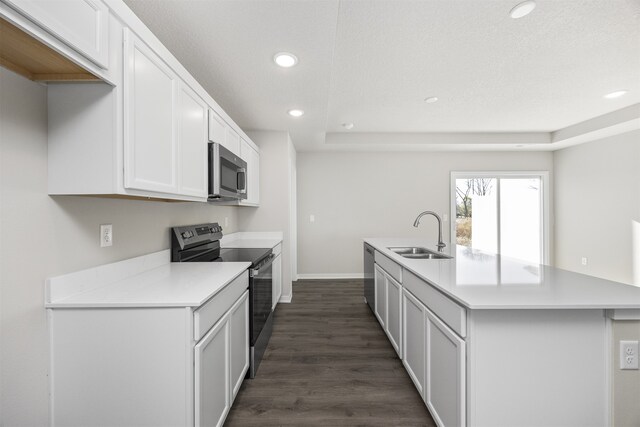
381,296
413,339
388,303
239,337
212,376
221,362
445,373
393,328
148,365
276,292
431,352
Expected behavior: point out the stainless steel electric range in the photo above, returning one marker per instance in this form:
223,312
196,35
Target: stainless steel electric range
201,243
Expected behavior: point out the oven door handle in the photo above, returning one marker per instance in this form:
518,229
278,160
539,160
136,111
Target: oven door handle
267,262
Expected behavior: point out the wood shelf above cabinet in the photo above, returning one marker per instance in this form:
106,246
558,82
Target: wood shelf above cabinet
23,54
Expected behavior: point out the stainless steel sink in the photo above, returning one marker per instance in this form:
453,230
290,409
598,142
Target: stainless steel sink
418,253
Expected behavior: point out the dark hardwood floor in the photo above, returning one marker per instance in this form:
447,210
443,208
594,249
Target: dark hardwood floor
328,364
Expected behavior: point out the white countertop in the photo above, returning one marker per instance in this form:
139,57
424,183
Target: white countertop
130,283
481,280
255,239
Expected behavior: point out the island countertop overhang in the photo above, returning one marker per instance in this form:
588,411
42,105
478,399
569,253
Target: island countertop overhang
482,280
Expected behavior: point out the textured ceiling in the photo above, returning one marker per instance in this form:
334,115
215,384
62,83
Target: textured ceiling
373,62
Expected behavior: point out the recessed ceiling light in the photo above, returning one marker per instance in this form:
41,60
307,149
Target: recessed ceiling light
616,94
347,126
522,9
296,113
285,59
431,99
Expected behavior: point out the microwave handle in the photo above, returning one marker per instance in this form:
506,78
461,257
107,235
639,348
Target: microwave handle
242,179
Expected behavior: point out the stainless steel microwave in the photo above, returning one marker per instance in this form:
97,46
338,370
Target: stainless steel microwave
227,174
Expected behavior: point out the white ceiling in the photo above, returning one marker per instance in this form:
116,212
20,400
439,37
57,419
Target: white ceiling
373,62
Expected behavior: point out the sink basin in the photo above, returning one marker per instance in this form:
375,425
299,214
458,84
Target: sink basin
418,253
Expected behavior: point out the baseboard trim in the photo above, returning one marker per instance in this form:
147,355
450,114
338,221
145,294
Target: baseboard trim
331,276
285,299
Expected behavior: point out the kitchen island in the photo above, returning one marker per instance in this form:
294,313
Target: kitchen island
493,341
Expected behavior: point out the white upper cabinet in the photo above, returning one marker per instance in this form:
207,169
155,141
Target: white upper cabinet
232,141
144,132
150,143
252,157
217,128
192,142
81,24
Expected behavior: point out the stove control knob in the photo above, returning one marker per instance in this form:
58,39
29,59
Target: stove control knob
185,235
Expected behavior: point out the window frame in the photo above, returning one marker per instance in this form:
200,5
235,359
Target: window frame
544,202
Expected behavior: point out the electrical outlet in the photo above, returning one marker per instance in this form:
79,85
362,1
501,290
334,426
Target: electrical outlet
445,217
312,218
584,260
628,354
106,235
226,221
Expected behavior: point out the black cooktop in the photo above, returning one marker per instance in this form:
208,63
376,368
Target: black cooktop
252,255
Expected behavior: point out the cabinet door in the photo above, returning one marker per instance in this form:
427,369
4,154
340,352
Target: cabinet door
232,141
277,281
217,128
445,374
239,337
413,339
381,296
150,143
212,379
252,157
192,142
81,24
394,314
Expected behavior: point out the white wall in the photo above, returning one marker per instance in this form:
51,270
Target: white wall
277,205
43,236
379,194
597,213
597,199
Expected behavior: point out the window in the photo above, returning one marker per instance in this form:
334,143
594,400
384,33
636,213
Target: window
502,212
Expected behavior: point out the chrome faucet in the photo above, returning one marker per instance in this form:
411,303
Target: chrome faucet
416,223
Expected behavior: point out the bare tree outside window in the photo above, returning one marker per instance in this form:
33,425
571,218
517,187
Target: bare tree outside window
465,190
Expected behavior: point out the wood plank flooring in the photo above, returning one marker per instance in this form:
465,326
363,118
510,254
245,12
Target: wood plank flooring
328,363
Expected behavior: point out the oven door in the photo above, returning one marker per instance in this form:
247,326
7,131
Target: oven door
260,289
227,174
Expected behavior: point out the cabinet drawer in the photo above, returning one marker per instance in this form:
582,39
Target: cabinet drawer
211,311
450,312
393,269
